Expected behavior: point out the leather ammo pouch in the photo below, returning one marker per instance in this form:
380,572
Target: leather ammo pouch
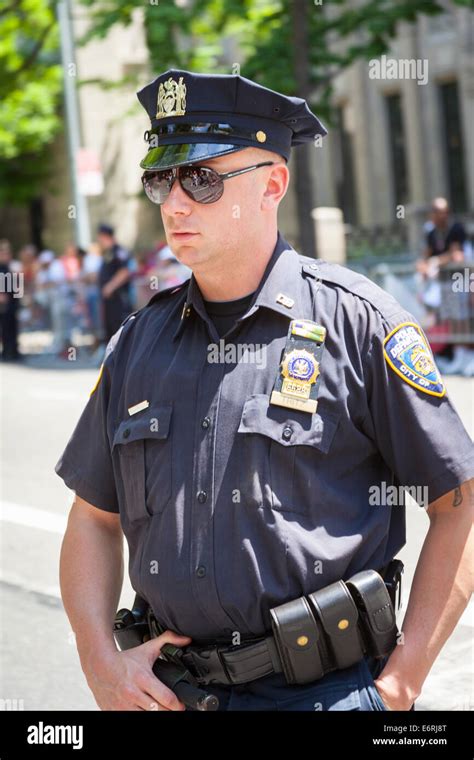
376,612
334,627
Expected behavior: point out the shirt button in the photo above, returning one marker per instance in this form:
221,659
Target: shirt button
202,496
201,572
206,422
126,432
287,433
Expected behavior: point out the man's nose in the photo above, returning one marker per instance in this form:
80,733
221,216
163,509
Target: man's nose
177,201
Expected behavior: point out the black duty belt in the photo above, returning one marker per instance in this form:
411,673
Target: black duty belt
328,630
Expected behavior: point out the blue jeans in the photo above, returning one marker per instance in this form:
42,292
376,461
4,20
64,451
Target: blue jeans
349,689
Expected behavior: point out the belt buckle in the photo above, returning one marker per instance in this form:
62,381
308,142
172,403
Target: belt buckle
206,660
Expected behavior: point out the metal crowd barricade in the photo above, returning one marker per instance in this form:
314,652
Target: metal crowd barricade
443,304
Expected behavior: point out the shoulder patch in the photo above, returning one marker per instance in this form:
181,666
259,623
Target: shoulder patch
408,354
122,254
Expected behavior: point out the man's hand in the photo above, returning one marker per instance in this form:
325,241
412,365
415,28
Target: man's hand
125,680
457,255
107,290
422,266
120,278
394,695
441,589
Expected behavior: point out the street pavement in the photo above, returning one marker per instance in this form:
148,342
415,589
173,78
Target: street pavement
41,400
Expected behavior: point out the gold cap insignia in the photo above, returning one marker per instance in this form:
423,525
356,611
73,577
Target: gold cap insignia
261,136
171,98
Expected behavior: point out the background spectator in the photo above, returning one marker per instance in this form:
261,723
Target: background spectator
114,281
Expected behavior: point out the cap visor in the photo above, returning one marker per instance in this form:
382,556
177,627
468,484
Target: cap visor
167,156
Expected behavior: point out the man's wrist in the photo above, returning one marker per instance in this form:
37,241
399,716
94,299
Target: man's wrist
395,683
95,650
401,677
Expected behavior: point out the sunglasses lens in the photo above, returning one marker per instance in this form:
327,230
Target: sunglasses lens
157,185
203,185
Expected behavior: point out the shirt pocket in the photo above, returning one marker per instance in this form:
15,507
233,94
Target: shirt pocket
282,452
143,446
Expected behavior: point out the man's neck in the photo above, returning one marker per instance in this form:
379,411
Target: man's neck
244,278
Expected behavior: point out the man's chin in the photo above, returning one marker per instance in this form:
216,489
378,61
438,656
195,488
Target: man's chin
187,253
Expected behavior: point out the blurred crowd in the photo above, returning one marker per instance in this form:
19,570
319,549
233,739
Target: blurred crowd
449,320
93,291
90,291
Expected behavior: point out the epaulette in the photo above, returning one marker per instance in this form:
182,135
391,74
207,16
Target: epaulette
166,292
133,315
354,282
115,337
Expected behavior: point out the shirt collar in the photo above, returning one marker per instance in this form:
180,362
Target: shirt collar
279,288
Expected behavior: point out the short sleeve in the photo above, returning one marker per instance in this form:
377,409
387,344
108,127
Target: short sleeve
86,463
123,256
429,240
411,418
457,234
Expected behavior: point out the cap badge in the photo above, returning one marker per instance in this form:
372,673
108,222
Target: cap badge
171,98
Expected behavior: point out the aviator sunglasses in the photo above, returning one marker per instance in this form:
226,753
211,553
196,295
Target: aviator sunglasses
200,183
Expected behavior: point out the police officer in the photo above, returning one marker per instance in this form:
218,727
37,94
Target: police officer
114,280
247,426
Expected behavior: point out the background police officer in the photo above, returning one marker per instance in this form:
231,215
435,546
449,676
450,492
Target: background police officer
114,280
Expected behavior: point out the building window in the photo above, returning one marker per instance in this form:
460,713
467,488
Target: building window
343,168
453,145
444,24
398,158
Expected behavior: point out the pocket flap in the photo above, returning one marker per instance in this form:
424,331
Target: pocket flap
289,427
153,422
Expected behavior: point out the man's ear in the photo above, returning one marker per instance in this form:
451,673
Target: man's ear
277,185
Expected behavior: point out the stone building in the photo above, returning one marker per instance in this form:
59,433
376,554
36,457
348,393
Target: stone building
395,143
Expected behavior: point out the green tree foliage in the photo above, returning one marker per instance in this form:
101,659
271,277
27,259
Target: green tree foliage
200,35
30,88
293,46
196,34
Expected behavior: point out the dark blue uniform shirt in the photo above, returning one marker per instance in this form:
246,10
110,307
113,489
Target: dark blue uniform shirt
232,505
